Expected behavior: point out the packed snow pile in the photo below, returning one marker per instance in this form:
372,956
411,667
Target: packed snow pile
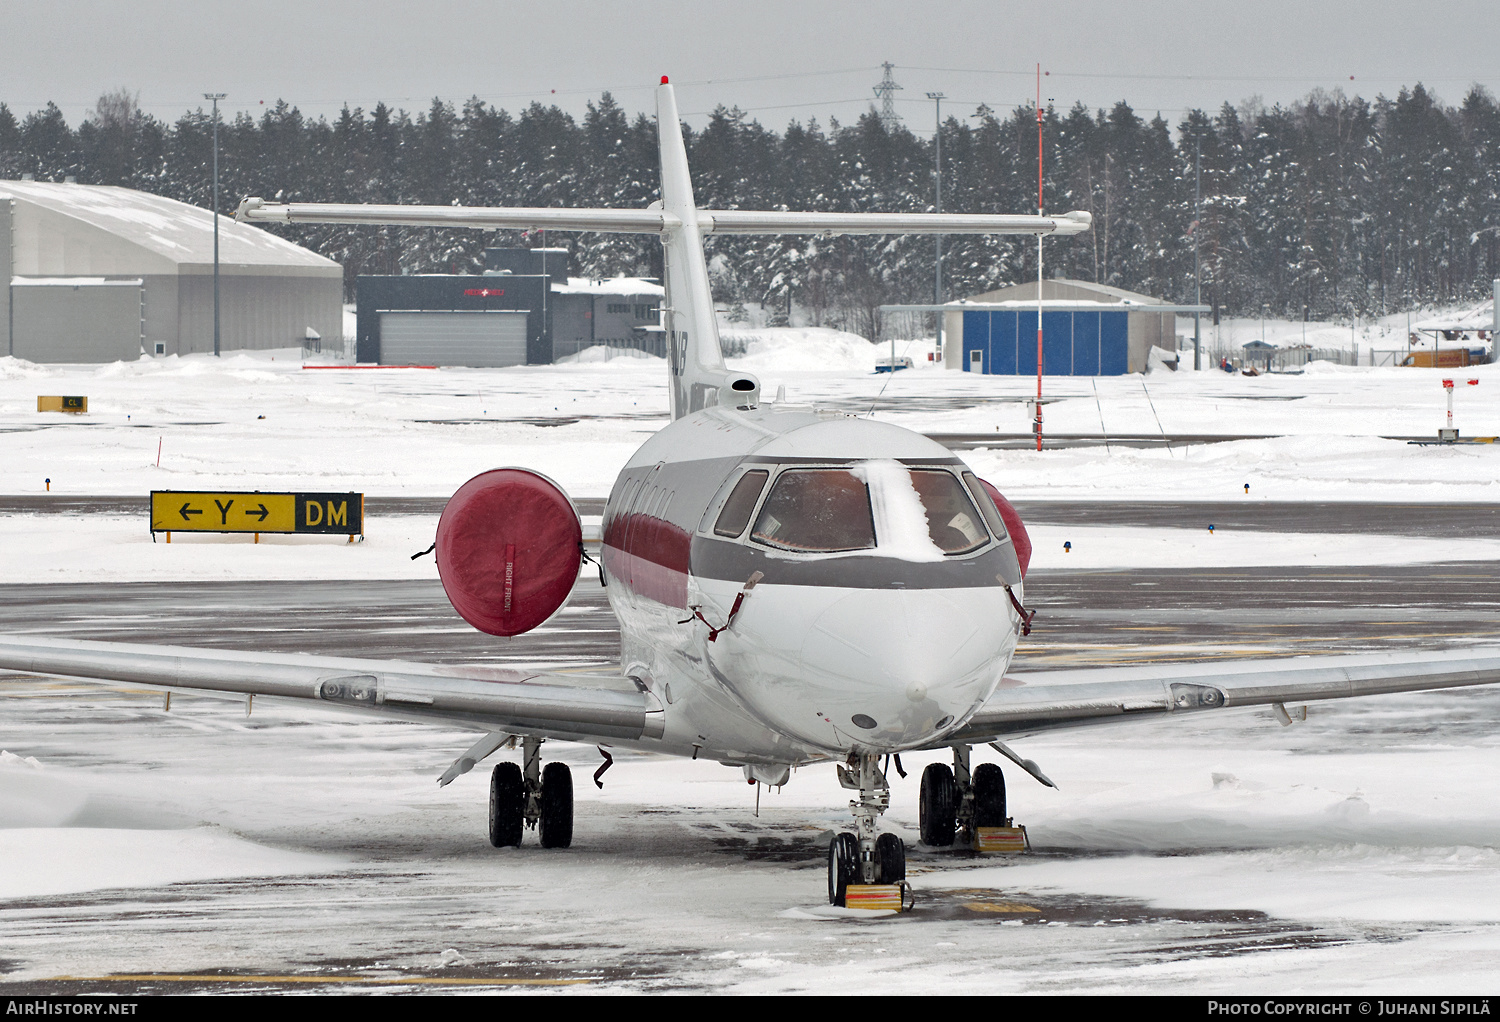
600,353
42,861
12,368
801,349
1157,361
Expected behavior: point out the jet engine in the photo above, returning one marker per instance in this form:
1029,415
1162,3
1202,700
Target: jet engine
508,547
1013,525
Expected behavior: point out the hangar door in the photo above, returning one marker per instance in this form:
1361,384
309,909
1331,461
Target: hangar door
74,319
1073,343
482,339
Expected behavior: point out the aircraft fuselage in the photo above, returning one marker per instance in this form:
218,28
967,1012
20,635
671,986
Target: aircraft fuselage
873,625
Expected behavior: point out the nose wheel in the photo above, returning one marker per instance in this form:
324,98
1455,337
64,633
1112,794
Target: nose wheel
528,796
864,857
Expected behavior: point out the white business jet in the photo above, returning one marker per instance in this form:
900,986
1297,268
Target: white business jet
792,587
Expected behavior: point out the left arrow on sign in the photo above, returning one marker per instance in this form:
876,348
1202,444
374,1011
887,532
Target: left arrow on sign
188,509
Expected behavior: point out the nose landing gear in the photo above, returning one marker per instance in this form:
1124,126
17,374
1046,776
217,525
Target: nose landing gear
522,797
863,857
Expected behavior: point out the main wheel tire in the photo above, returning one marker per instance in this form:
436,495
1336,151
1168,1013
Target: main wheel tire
843,866
989,796
556,825
937,806
890,859
507,806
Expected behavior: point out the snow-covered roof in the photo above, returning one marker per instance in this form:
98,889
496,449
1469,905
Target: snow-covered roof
71,282
1059,286
173,231
1480,318
632,286
1063,304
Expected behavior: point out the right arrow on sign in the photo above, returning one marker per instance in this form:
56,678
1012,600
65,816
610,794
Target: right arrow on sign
261,513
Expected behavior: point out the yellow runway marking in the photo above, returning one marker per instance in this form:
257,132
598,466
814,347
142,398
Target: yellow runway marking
383,981
997,906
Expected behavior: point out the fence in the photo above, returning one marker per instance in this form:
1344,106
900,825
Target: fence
1282,359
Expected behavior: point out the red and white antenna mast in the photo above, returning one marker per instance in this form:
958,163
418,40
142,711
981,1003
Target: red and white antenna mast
1037,425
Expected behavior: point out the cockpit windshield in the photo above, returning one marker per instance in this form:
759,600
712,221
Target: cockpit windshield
817,510
911,513
952,523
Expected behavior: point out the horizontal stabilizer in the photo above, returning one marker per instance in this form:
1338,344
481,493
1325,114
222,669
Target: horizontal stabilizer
616,221
656,221
751,221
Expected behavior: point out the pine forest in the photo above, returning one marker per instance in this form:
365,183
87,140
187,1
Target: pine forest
1329,207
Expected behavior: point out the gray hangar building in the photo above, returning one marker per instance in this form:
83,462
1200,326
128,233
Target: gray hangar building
1075,342
98,274
523,310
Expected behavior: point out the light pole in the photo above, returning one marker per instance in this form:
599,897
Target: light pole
1197,276
937,281
216,96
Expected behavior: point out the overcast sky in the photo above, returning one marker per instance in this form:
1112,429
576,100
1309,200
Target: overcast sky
780,60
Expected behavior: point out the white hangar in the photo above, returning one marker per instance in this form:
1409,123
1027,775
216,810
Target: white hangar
99,274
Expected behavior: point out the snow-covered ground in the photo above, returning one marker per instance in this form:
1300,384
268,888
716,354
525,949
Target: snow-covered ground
1367,835
1353,853
260,420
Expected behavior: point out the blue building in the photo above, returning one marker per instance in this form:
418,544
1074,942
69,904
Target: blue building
1111,341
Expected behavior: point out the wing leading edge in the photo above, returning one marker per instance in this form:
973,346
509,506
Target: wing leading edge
574,707
1046,701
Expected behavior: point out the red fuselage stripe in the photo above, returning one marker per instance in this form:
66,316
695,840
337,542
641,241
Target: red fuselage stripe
650,556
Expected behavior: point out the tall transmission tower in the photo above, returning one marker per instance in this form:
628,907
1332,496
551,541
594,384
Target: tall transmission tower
889,119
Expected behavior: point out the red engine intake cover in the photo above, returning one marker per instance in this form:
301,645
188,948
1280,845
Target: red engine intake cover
1013,524
508,550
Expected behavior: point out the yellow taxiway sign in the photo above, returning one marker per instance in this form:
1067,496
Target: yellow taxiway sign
193,511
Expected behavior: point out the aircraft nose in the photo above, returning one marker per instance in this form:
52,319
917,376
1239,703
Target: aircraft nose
891,666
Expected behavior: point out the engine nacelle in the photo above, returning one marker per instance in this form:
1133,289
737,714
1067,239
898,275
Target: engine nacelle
1013,525
508,547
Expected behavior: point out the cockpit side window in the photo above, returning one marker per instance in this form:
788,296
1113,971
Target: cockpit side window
741,503
952,522
986,505
817,511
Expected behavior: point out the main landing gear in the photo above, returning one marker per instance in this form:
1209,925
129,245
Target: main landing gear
954,802
863,857
531,797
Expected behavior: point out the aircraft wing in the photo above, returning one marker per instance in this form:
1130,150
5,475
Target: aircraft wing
655,220
1030,703
549,704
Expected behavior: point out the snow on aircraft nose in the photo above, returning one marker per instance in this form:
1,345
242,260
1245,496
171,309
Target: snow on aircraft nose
881,669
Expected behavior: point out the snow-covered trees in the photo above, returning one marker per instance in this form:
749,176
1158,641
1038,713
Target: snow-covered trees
1333,204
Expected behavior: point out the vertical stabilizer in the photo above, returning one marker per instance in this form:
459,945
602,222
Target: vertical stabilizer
699,378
